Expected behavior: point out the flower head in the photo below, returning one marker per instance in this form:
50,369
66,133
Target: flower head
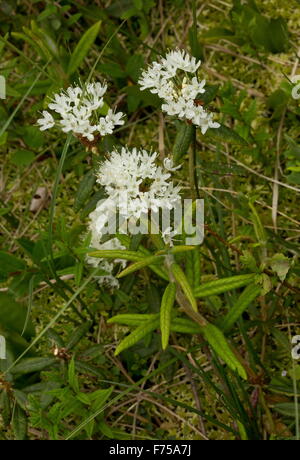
178,93
78,110
135,184
133,180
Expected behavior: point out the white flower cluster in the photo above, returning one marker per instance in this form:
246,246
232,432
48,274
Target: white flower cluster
134,185
179,94
296,348
78,109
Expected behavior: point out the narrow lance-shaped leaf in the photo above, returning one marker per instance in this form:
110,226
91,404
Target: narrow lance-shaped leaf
259,230
167,303
19,424
72,377
244,300
5,408
28,365
185,326
181,279
224,285
183,140
82,48
116,254
137,335
84,189
140,264
219,344
132,319
225,134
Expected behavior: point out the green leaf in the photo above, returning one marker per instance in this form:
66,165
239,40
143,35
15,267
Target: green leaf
22,157
117,254
99,397
280,264
225,134
138,334
258,227
84,190
132,319
13,316
181,279
105,429
28,365
244,300
83,47
72,377
5,408
140,264
183,140
19,424
10,264
185,326
33,137
287,409
217,341
224,285
134,65
167,303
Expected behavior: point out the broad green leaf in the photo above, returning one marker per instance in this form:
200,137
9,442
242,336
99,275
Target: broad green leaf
244,300
224,285
167,303
140,264
22,157
138,334
280,264
83,47
219,344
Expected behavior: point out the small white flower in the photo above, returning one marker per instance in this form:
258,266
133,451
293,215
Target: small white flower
78,108
179,94
179,59
169,165
47,121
